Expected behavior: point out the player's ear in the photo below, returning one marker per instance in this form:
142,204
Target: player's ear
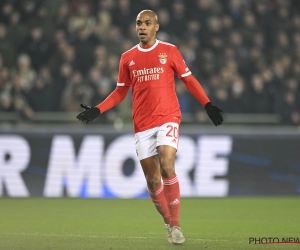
156,27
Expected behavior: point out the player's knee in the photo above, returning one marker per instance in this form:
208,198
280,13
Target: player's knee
168,170
153,181
167,164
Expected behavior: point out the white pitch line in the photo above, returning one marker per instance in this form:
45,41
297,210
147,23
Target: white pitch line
76,235
163,233
104,236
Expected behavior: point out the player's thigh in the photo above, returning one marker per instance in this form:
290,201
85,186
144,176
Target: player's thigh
145,143
167,142
151,167
166,155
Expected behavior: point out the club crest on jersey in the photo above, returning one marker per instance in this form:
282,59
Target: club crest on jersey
162,58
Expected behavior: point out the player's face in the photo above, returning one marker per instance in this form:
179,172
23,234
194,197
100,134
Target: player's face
146,28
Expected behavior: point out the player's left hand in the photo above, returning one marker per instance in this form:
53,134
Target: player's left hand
90,113
214,113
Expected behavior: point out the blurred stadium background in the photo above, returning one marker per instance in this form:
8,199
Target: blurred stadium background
56,54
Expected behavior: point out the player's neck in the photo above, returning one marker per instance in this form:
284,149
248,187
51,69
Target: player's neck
148,44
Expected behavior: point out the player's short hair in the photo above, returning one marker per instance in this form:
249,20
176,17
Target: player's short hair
151,11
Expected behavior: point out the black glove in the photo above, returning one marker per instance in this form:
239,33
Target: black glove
214,113
89,114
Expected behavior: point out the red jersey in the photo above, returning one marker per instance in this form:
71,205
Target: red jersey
150,72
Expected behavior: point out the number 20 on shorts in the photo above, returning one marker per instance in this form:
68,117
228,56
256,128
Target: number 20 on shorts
172,132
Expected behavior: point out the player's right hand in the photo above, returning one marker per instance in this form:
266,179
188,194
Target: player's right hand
90,113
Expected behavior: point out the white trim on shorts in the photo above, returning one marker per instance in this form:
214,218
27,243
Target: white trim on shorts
146,142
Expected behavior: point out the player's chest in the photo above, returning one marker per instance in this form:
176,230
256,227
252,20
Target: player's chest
149,66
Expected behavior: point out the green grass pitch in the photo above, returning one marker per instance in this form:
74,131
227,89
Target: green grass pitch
225,223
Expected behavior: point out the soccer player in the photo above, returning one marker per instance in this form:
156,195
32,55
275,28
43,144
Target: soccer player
149,68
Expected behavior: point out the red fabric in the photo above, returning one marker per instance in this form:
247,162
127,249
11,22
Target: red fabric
113,99
196,89
172,194
150,72
159,201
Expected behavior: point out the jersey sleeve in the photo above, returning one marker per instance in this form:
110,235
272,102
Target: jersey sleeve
178,64
124,75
